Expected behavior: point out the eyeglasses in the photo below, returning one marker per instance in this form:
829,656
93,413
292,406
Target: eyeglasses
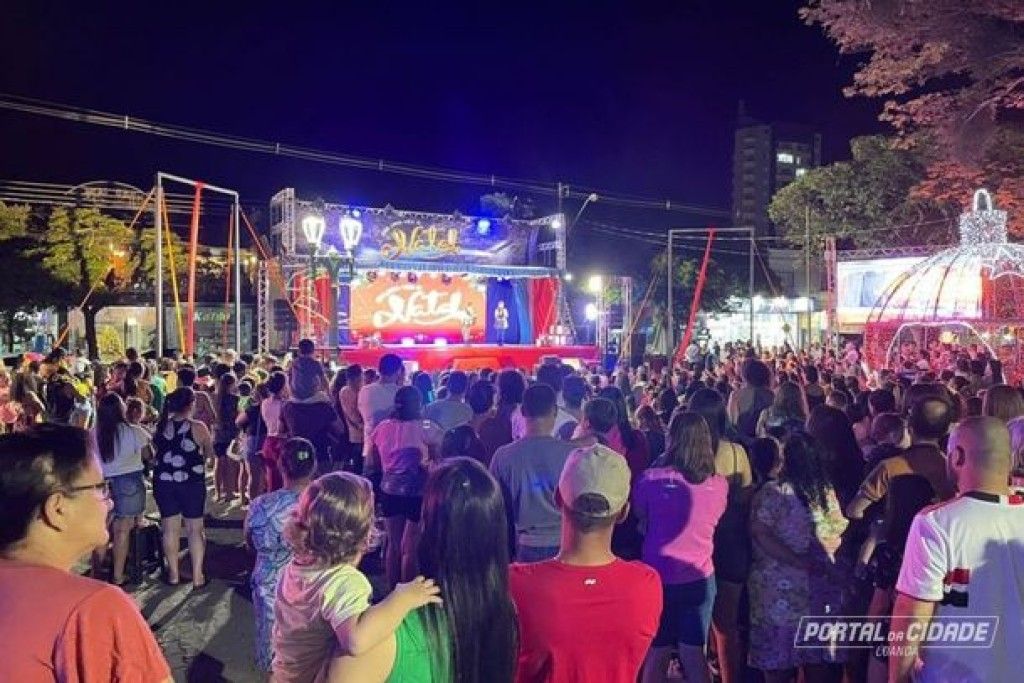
103,487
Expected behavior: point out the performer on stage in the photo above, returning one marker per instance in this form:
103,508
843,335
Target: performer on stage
468,320
501,322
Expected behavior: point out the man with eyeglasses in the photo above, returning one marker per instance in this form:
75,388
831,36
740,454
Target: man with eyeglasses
57,625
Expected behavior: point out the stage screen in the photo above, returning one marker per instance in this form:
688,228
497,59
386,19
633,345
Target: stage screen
861,283
430,308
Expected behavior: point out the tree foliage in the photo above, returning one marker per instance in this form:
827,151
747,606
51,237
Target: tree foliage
28,284
950,69
868,200
722,283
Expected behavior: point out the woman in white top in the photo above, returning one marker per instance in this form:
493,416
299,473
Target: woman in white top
270,410
121,446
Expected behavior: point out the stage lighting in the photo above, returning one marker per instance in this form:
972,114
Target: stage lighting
408,341
483,227
590,311
556,223
568,277
440,341
595,284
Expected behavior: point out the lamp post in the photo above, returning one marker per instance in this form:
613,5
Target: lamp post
313,228
333,259
595,285
351,229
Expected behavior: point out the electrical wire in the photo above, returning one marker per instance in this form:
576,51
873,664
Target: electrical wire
44,108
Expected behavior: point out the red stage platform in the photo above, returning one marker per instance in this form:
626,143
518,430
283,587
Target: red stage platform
472,357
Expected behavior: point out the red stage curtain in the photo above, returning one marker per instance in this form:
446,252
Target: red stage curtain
543,304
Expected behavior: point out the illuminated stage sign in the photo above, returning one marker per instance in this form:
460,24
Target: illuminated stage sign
407,237
423,310
413,240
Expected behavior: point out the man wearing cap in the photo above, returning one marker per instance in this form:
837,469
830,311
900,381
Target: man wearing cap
586,615
963,563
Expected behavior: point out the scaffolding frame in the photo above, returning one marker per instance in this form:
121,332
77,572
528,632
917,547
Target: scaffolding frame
161,177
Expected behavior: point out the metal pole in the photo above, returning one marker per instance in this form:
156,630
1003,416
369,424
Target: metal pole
807,271
238,281
750,287
159,228
669,321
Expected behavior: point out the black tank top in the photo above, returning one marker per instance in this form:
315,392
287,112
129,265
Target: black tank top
178,456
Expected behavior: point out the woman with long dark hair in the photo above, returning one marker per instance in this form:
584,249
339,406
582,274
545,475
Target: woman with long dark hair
225,403
797,524
679,502
121,447
472,636
181,445
844,461
402,446
789,409
732,539
625,439
653,430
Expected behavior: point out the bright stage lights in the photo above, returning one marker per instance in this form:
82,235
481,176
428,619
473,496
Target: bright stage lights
483,227
408,341
595,284
591,312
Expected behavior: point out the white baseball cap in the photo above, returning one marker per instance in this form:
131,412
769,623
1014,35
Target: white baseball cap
595,470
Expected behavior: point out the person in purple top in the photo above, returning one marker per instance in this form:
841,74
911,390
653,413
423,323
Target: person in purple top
679,502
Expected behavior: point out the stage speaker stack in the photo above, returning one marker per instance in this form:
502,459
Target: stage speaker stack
637,349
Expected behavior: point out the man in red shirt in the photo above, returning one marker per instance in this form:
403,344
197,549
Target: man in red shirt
56,625
586,615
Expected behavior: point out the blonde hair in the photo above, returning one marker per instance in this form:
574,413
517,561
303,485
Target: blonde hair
332,522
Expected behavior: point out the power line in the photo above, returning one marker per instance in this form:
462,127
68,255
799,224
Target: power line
124,122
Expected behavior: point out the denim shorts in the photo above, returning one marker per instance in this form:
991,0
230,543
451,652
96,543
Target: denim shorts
686,614
128,491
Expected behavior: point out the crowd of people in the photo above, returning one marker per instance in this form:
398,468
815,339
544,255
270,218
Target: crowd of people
556,524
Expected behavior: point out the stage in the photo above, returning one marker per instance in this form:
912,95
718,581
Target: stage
473,357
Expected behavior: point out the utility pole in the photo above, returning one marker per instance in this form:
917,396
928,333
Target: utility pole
807,271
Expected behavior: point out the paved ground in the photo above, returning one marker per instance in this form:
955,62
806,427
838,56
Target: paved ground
207,635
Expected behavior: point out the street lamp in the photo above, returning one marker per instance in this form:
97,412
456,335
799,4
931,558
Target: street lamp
313,227
595,285
351,229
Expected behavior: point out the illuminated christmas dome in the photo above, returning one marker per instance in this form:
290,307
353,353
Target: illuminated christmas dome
969,293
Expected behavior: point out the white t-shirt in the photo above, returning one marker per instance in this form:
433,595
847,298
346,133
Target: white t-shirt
130,441
519,422
968,555
312,603
270,411
376,401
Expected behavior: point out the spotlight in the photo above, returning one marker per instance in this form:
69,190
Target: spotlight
440,341
590,312
568,277
408,341
556,224
595,284
483,227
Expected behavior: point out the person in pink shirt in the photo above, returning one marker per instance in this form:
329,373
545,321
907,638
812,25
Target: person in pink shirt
679,502
57,625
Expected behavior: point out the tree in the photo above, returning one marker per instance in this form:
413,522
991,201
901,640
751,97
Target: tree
100,261
501,204
865,200
721,284
950,69
28,285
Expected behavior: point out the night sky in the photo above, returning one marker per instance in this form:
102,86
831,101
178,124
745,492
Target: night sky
635,100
